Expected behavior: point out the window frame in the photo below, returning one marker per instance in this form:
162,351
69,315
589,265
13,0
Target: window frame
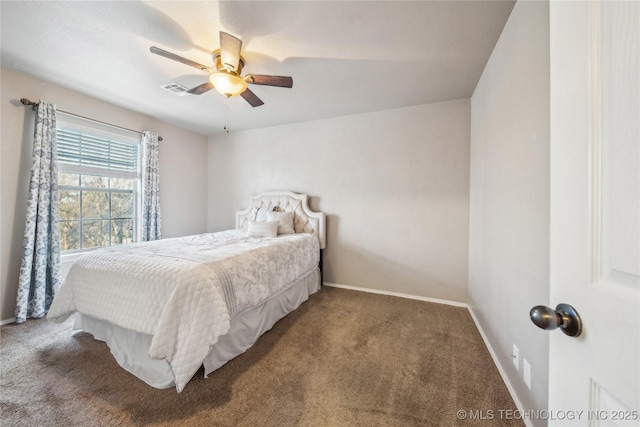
91,128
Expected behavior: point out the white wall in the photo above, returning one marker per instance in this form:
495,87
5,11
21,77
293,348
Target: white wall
394,184
183,166
509,212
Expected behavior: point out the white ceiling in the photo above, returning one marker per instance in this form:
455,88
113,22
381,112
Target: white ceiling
345,57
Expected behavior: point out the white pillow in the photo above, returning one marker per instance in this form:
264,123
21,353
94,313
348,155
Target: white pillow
262,229
285,221
260,214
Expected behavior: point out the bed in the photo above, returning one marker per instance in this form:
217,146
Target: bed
165,308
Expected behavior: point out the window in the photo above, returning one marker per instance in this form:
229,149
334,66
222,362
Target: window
98,181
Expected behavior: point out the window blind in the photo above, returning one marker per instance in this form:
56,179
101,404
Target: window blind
77,148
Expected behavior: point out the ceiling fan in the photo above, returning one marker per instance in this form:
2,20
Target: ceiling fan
226,77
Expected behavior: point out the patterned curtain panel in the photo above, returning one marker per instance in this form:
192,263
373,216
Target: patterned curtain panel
40,269
151,219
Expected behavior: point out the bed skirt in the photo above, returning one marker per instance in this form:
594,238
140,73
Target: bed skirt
131,349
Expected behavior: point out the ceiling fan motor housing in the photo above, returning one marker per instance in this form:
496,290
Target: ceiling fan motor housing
229,67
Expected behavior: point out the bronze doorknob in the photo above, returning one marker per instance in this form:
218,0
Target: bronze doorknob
564,317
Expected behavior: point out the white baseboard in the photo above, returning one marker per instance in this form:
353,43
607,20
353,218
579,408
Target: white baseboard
396,294
501,369
6,322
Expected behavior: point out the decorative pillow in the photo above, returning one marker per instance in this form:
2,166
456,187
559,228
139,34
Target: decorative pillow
260,214
262,229
285,221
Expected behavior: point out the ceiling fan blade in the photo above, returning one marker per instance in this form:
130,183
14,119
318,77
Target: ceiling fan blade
178,58
230,47
280,81
199,90
251,98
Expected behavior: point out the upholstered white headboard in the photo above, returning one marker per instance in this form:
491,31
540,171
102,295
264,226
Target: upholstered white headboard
304,219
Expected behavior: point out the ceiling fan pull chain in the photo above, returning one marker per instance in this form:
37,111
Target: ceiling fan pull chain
226,115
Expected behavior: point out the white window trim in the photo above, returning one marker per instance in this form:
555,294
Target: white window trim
96,170
70,122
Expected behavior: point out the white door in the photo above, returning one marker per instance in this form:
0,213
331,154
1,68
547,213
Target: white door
594,379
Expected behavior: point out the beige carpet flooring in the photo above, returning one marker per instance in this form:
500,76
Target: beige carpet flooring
344,358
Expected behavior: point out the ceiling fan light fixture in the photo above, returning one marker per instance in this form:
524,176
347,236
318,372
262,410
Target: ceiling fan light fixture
228,83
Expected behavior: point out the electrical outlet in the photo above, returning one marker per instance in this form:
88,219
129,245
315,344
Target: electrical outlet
515,356
527,373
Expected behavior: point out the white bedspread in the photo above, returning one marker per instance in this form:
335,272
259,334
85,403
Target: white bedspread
183,291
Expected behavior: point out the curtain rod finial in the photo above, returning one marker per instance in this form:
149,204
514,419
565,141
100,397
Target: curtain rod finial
25,101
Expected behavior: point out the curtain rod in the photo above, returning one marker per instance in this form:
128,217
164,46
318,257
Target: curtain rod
25,101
